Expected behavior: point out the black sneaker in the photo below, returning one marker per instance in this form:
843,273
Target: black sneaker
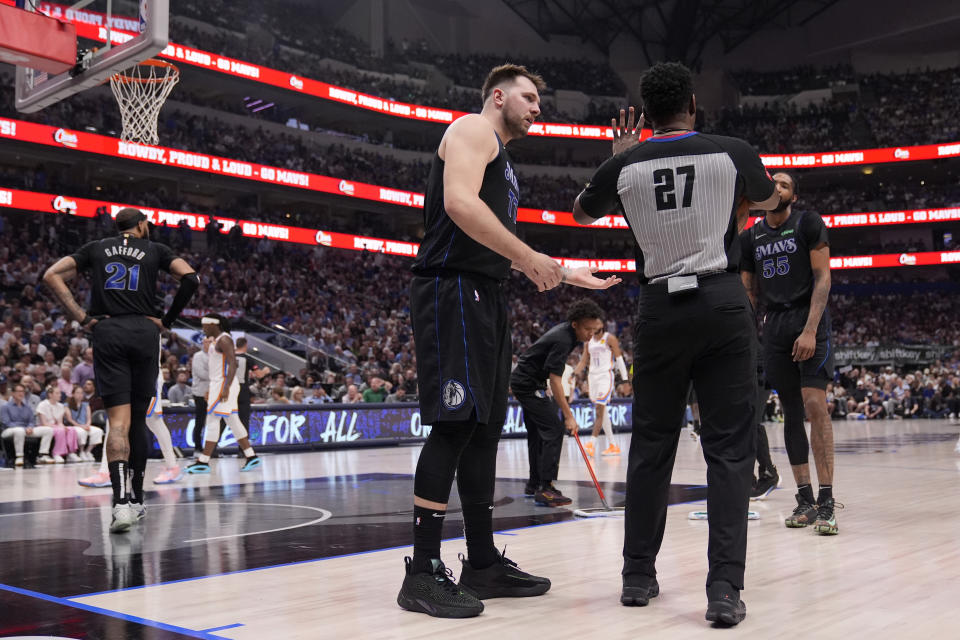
826,523
502,579
530,489
765,484
436,594
549,496
638,589
724,605
803,515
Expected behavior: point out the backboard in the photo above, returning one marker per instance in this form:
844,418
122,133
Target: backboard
107,44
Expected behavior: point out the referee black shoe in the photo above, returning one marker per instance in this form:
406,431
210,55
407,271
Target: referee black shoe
724,605
502,579
638,590
530,489
436,594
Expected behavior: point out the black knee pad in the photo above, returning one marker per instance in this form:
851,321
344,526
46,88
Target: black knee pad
794,435
439,459
476,473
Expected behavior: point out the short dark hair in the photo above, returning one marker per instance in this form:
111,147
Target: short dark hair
794,178
509,72
128,218
583,309
241,342
19,387
666,89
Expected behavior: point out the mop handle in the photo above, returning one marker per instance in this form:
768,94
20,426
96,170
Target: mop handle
603,499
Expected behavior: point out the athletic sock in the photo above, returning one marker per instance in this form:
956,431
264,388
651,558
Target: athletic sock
427,531
478,530
826,492
118,480
248,452
136,486
806,492
203,458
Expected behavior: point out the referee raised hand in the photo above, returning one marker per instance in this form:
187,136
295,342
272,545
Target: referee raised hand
126,323
679,191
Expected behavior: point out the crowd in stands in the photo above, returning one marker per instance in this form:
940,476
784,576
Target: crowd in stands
792,80
349,310
915,108
784,128
910,393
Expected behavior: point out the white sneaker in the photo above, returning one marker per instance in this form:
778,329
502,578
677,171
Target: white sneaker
72,457
139,510
86,456
99,479
124,517
58,459
956,448
18,462
44,459
169,475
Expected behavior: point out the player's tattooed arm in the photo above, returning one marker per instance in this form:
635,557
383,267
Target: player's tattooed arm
56,278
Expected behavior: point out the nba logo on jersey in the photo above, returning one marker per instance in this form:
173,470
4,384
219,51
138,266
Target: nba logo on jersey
476,295
453,394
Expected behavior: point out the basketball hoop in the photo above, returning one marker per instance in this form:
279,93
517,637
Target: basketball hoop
141,91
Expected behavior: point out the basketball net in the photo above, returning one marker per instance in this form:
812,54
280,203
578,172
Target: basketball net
141,91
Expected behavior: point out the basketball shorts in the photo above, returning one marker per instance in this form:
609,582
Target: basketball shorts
125,359
780,331
219,407
463,348
600,386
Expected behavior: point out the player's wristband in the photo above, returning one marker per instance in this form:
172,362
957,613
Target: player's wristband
87,319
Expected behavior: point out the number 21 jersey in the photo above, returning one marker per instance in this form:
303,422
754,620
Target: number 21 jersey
122,271
780,258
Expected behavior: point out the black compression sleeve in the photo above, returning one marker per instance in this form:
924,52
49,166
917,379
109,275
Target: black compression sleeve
188,286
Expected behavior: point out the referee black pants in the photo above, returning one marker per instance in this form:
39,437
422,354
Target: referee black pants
707,336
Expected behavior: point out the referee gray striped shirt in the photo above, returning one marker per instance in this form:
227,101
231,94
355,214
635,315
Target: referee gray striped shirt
679,195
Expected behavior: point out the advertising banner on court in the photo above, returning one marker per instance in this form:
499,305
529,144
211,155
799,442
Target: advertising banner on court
279,427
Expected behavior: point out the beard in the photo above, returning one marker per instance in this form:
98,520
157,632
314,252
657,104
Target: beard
515,125
782,206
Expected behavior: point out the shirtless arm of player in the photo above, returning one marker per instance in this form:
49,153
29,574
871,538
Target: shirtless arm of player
225,346
467,147
56,278
806,344
556,386
750,284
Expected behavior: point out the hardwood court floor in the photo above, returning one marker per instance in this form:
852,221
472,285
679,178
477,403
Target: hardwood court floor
311,546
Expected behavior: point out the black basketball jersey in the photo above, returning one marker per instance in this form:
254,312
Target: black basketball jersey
123,274
445,246
545,356
780,258
679,195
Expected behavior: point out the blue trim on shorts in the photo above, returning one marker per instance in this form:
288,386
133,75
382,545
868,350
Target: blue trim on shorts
436,327
449,246
466,355
826,356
